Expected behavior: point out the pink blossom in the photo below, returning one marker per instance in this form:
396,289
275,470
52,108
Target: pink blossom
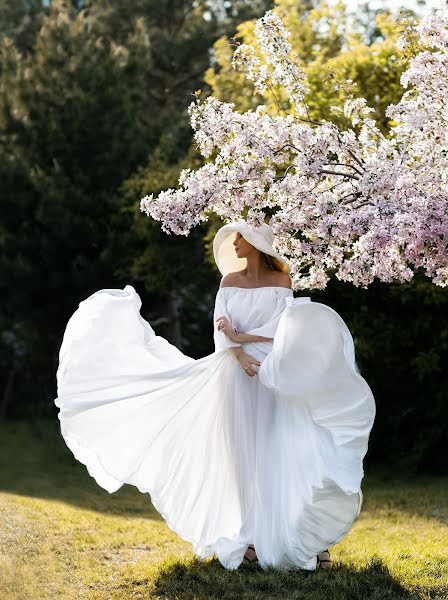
353,201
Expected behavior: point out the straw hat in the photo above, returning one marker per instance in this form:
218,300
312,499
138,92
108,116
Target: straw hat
261,237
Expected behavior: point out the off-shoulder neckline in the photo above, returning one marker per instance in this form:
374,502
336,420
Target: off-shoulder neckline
261,287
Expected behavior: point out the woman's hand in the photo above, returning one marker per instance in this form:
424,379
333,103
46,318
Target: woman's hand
225,326
248,362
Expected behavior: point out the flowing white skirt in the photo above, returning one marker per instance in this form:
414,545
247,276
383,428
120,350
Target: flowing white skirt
228,460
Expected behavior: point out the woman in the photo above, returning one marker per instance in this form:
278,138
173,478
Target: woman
253,452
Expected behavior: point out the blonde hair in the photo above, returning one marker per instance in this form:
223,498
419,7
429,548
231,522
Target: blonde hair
274,263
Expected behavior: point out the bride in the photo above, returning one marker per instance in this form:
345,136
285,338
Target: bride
252,453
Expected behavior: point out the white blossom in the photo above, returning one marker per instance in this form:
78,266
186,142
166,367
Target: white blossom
353,201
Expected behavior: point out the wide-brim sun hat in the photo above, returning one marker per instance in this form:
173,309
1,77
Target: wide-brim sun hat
261,237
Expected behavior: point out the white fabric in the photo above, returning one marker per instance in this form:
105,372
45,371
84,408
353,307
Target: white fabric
274,460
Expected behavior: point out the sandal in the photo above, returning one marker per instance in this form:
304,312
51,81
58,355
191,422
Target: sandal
247,560
321,561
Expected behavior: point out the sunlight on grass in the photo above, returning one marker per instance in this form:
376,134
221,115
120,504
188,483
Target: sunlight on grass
62,536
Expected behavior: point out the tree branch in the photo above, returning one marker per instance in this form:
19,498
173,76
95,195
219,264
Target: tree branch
350,176
345,165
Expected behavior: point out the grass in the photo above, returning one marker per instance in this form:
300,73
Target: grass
62,536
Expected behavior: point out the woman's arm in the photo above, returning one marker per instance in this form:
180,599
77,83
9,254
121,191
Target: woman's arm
238,336
241,337
222,341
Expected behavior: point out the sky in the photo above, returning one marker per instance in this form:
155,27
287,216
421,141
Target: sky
429,4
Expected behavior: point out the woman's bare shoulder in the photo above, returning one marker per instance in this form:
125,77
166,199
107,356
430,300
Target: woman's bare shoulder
282,279
231,279
276,278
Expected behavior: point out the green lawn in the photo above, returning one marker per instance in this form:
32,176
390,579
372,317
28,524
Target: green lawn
62,536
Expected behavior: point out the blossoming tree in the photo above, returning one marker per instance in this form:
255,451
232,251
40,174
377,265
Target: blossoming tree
352,203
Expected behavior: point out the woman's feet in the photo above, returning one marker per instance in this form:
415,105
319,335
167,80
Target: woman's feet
324,560
251,555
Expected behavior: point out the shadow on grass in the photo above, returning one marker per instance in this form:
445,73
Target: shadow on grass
387,494
35,461
205,580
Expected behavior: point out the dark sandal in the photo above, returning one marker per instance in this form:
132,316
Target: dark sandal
320,561
247,560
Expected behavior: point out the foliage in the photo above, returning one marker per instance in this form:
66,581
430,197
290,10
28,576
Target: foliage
93,114
67,113
92,94
180,34
342,201
332,48
20,22
400,344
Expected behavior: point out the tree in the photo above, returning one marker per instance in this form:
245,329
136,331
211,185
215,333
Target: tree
20,21
94,102
331,50
181,35
70,135
399,329
342,200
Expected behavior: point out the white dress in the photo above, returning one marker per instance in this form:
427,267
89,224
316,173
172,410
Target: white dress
228,460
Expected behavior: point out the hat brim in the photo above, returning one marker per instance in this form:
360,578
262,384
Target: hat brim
224,253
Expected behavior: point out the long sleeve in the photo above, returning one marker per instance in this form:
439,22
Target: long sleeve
222,342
